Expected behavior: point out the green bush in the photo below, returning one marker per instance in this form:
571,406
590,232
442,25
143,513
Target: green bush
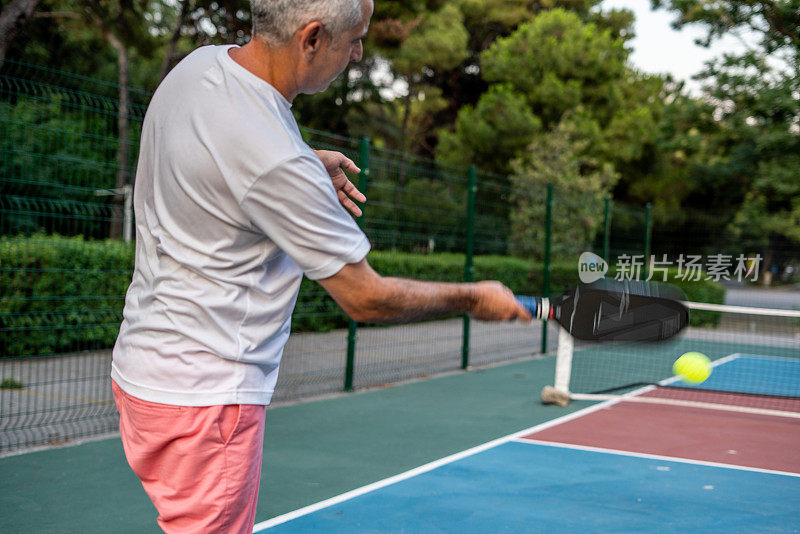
62,294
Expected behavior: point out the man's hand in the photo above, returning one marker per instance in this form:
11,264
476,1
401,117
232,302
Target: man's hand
336,163
495,302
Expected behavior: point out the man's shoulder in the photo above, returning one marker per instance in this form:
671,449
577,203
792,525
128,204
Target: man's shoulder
199,56
243,122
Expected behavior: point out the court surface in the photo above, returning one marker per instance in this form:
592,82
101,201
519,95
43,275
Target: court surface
611,467
424,457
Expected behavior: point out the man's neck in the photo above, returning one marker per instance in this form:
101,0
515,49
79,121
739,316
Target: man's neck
269,64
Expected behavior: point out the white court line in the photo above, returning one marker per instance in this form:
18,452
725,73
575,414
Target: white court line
618,452
769,358
424,468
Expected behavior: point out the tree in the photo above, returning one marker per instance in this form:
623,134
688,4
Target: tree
556,64
756,101
461,83
580,183
765,110
14,16
438,42
193,23
777,22
555,74
119,24
492,133
687,137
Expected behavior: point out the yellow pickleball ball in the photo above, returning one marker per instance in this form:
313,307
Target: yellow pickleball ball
692,367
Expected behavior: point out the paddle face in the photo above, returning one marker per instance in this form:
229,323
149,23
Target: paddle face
628,310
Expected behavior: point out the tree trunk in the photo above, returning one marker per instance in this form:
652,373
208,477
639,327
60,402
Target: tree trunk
123,148
401,178
12,18
172,46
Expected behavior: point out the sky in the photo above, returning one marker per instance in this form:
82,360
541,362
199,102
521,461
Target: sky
658,48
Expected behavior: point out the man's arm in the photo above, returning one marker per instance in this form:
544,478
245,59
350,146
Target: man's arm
367,296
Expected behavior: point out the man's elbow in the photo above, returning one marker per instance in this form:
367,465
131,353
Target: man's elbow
374,306
367,312
364,295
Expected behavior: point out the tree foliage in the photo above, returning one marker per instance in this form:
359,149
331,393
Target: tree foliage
581,183
756,97
493,132
497,82
559,64
558,80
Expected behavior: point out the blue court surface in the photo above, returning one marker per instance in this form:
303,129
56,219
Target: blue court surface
755,375
522,486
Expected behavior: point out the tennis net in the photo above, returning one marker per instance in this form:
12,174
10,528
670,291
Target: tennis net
755,355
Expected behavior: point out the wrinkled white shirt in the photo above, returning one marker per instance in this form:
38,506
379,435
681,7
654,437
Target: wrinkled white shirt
232,208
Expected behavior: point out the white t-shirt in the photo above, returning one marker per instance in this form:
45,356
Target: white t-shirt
232,207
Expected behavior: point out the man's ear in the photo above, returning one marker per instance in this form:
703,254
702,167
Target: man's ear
311,36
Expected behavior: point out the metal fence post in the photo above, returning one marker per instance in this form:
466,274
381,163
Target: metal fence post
352,326
548,230
607,230
468,260
648,231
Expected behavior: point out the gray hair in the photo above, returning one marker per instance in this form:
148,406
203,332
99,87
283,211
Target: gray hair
277,20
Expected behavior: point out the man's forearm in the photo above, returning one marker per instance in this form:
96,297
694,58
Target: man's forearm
368,297
405,300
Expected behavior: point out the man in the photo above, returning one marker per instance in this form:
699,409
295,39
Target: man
232,208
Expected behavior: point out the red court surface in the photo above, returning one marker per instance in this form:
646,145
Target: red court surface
741,439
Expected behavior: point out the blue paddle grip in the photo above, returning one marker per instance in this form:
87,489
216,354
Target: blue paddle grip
530,303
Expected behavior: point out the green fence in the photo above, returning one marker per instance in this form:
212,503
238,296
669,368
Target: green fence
65,263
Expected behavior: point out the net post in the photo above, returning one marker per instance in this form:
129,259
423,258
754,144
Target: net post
548,226
558,393
352,326
468,259
607,230
563,360
648,233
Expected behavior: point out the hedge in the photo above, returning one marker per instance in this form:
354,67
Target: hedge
62,294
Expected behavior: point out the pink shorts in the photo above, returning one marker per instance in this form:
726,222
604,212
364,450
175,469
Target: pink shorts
201,466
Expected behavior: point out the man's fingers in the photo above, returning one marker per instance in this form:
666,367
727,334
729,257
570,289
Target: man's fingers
353,192
348,165
349,205
525,315
333,161
336,163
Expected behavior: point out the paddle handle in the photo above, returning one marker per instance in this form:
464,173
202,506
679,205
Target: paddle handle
538,306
